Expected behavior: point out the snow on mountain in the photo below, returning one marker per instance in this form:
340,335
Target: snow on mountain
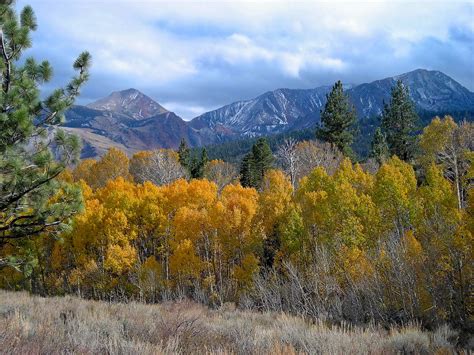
137,122
129,102
288,109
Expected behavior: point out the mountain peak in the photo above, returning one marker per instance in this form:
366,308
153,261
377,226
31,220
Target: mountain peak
130,102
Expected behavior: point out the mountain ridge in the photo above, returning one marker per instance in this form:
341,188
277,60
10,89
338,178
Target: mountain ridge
137,122
129,102
368,99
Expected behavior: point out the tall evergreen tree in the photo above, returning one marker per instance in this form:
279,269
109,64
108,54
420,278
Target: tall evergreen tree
262,159
337,120
32,199
256,163
246,171
184,154
204,157
379,150
198,164
399,120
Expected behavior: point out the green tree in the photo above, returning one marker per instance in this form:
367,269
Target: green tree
204,158
246,171
337,120
32,198
399,120
184,154
256,163
198,164
379,150
262,160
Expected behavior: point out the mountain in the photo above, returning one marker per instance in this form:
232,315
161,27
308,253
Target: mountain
285,110
129,102
431,91
128,120
273,112
133,121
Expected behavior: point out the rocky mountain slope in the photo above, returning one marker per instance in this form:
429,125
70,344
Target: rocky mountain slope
129,102
284,110
128,120
132,121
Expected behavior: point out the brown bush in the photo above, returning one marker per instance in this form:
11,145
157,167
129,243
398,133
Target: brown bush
33,325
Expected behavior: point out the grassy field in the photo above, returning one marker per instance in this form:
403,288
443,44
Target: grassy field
35,325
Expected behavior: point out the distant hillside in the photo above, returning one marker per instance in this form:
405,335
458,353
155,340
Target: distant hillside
130,120
136,122
233,151
284,110
129,102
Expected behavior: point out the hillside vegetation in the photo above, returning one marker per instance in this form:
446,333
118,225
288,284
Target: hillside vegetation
34,325
337,241
319,254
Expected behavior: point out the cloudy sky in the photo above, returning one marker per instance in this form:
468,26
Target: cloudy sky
194,56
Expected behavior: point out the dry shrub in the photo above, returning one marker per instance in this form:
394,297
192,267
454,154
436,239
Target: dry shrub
409,340
35,325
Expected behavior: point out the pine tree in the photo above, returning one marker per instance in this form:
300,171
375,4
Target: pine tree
399,120
337,120
198,164
204,157
255,164
262,159
184,154
32,199
379,150
246,169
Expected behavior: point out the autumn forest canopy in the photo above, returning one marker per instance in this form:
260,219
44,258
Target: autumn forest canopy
308,228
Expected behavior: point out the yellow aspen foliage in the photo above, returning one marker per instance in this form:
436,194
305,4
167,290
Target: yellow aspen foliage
120,258
383,240
185,265
84,171
311,194
201,193
292,235
245,272
450,146
339,208
362,181
435,138
189,223
148,212
446,231
413,248
274,200
233,220
116,217
394,194
66,176
416,258
355,263
112,165
79,274
470,212
438,213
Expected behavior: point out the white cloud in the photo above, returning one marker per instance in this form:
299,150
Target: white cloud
158,44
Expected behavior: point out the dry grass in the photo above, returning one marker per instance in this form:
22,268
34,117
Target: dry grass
35,325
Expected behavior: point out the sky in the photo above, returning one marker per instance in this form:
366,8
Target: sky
195,56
